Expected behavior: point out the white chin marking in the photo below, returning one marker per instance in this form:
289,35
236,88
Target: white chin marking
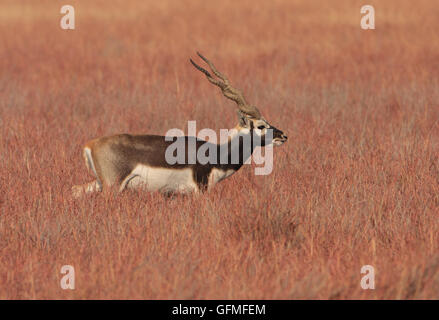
278,142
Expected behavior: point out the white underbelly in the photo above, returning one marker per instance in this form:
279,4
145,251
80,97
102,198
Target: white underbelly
162,179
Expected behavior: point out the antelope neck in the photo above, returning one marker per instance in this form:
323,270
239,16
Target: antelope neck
238,149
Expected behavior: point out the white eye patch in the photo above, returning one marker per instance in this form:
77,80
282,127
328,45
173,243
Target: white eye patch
260,130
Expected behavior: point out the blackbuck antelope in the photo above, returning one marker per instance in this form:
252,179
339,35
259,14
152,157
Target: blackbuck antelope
133,161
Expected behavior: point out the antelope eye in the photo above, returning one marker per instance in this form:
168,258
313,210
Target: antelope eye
261,127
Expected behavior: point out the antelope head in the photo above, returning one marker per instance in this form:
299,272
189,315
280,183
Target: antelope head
250,119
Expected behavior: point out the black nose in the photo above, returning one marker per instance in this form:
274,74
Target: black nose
284,136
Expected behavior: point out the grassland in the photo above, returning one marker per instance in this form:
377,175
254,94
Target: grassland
357,182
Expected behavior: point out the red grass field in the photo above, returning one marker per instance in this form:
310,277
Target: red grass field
357,182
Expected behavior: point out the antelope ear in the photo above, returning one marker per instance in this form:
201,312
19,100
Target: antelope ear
243,121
